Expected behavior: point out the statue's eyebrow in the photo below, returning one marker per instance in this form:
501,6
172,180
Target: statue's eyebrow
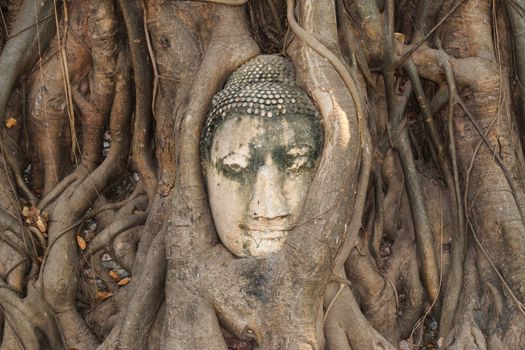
232,153
300,147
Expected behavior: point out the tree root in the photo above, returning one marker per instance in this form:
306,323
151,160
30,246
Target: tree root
30,319
103,318
400,139
347,328
467,337
125,247
386,236
25,45
142,71
141,311
377,299
106,236
60,271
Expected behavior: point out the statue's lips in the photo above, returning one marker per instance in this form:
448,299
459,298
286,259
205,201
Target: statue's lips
265,235
265,228
272,233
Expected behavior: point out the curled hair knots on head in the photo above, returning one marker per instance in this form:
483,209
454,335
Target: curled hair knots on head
263,87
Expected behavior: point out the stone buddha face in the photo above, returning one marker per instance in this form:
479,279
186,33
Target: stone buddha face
258,167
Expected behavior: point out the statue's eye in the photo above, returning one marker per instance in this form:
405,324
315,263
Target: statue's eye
299,157
235,163
234,167
297,163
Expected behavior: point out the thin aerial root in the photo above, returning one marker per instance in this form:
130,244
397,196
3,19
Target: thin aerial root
426,110
459,248
341,287
66,77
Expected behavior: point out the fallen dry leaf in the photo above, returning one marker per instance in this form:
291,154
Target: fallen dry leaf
81,242
40,224
400,37
124,281
10,122
35,218
103,295
114,275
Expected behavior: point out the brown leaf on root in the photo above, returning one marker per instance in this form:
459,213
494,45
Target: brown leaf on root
81,242
36,218
102,295
124,281
114,275
10,122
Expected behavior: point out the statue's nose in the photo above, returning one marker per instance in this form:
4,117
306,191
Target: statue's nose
267,200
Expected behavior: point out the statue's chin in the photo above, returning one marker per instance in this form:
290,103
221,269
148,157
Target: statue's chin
261,243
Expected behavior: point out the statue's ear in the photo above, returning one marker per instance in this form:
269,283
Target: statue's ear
204,169
204,157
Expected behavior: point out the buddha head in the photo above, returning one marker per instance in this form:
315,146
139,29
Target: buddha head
259,150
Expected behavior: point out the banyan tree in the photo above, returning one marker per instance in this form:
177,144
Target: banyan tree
262,174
